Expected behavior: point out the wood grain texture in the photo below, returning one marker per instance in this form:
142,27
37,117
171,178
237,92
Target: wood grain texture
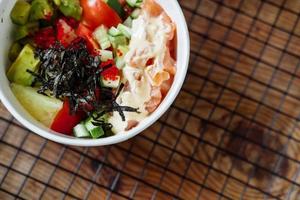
233,132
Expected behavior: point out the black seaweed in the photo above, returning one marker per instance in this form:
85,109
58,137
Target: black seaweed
74,73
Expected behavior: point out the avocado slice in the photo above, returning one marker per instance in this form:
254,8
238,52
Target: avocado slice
25,30
40,9
20,12
71,8
14,51
26,60
42,108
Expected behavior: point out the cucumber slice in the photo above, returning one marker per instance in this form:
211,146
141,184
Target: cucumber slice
100,34
125,30
80,131
105,44
139,3
136,13
20,12
114,32
120,62
41,107
18,71
118,40
131,2
110,83
95,131
120,54
134,3
128,22
106,55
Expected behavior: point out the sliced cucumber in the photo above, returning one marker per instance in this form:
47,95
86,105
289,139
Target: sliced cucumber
80,131
125,30
114,32
118,40
100,34
95,131
111,83
106,55
120,54
41,107
120,63
134,3
139,3
135,14
128,22
26,60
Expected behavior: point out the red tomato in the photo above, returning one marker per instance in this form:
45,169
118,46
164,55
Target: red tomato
65,33
97,12
64,122
86,33
44,38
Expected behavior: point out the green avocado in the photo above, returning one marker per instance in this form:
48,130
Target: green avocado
42,108
26,60
40,9
71,8
24,30
20,12
14,51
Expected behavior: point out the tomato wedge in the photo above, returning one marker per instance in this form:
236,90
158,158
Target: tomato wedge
87,34
64,122
65,33
97,12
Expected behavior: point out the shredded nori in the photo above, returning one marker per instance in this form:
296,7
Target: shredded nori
73,73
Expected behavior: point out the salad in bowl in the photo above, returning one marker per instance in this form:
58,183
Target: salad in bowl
92,69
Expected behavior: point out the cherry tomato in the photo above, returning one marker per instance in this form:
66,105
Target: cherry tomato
97,12
86,33
64,122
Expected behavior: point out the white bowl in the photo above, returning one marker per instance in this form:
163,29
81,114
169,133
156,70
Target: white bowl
11,103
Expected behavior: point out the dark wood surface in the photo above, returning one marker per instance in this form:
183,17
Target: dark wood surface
233,132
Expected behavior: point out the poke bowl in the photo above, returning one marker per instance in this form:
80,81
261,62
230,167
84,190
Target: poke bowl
91,72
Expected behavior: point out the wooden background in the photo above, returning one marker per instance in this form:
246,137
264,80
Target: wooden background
233,132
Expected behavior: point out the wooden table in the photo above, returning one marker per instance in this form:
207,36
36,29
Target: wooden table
233,132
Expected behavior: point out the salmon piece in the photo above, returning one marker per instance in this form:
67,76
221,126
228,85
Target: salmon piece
131,124
138,58
169,21
156,98
169,63
156,77
172,44
153,8
166,86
